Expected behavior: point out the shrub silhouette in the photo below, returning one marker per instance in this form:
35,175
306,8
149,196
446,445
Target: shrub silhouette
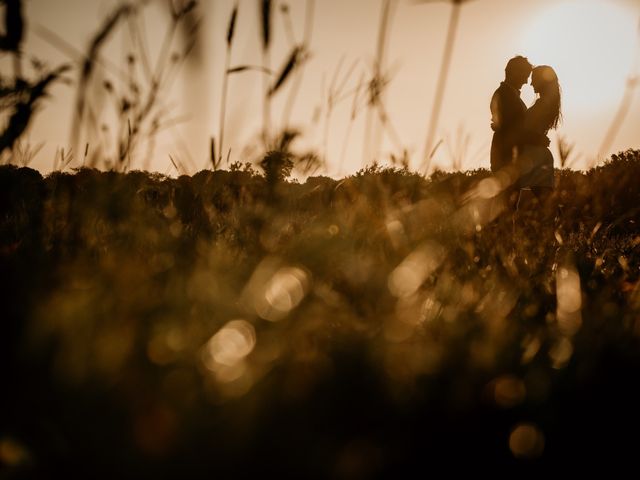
378,312
277,166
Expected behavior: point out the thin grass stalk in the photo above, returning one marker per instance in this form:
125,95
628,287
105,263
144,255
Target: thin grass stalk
89,63
288,25
25,107
367,128
175,165
74,54
389,129
159,69
332,95
380,61
162,73
618,119
151,146
291,98
189,33
86,153
78,57
175,65
325,131
140,44
265,11
565,148
458,149
352,118
376,80
180,141
212,152
442,81
129,146
295,58
625,103
266,105
223,105
13,34
306,42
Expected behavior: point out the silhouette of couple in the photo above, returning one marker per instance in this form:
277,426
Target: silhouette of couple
520,143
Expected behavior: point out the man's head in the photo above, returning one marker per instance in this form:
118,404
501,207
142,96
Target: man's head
517,71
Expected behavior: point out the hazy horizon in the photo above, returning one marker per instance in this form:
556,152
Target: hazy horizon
592,44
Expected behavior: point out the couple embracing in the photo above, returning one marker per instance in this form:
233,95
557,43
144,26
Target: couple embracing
520,143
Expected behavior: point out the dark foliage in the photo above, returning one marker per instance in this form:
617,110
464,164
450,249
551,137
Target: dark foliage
192,327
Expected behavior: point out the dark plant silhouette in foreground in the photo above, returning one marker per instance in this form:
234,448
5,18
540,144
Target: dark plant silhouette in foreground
136,91
13,35
236,323
219,330
20,97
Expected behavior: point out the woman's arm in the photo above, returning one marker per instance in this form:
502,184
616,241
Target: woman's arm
535,126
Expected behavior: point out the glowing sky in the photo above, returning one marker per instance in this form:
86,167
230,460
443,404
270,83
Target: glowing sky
592,44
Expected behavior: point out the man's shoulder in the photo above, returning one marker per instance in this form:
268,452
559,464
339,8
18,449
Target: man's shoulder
500,89
507,90
508,95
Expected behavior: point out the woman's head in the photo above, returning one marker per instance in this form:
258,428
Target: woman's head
545,83
544,80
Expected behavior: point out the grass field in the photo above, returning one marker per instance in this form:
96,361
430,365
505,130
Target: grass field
227,325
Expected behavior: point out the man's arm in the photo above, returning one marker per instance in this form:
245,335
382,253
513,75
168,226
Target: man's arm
496,115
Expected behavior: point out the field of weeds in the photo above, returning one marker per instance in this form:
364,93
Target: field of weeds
229,323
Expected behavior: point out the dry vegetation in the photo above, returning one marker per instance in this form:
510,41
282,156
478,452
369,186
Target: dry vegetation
235,322
218,322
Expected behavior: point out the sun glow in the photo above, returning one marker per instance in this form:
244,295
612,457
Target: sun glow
590,44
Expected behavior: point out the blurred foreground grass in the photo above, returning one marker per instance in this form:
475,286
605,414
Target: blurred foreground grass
220,325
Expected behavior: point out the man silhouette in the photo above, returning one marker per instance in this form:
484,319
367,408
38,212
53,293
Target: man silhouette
507,113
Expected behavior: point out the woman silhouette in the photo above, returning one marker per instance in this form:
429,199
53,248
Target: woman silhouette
535,161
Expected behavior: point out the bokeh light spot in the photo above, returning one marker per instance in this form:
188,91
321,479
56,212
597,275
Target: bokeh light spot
407,277
230,345
283,293
526,441
508,391
560,353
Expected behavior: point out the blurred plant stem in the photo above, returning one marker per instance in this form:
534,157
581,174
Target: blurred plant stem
625,103
265,17
293,92
376,87
13,33
230,31
442,81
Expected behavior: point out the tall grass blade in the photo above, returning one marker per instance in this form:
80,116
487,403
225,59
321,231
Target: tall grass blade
14,33
293,91
442,82
293,61
25,108
225,79
95,45
625,103
265,17
245,68
376,84
212,153
232,25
